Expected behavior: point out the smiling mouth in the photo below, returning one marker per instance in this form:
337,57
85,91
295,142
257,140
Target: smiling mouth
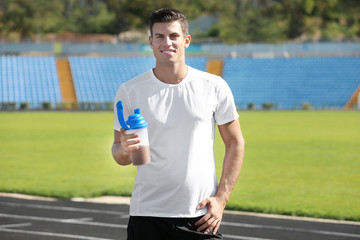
168,51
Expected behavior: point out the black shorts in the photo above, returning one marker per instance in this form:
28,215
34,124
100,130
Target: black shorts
142,228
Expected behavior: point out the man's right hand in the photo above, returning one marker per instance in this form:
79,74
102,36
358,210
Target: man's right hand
128,141
123,145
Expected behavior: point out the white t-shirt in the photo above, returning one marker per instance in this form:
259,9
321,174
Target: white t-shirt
181,121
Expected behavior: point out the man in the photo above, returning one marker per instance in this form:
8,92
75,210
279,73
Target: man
176,196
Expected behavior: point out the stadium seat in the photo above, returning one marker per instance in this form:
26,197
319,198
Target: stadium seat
30,80
97,79
288,83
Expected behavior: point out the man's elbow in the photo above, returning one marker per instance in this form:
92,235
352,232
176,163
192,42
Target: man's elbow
239,145
242,142
238,142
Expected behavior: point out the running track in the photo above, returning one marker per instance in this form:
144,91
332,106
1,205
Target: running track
27,219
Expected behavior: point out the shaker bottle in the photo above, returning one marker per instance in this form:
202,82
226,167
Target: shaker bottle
136,124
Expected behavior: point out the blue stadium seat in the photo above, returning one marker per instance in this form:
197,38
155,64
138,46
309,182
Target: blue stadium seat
97,79
29,79
288,83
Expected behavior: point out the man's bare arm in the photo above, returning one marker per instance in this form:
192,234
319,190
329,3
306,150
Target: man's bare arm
234,155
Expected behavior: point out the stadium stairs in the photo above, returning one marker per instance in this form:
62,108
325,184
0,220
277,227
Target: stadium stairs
215,67
66,83
353,101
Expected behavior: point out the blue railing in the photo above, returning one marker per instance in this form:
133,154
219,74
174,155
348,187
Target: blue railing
313,49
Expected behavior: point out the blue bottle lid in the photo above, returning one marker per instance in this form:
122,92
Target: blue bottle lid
135,121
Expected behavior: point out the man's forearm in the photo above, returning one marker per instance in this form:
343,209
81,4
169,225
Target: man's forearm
233,160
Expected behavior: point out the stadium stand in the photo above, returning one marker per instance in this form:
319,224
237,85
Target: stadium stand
30,80
288,83
97,79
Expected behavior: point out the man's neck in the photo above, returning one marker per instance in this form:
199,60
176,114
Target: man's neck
172,74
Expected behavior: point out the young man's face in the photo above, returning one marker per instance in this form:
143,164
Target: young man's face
168,43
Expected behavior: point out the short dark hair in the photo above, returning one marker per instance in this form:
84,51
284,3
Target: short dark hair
169,15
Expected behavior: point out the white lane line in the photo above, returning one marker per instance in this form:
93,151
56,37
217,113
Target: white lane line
76,220
295,218
71,236
70,209
246,225
3,228
243,237
15,225
61,220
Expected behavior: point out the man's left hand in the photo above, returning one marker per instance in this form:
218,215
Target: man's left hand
210,222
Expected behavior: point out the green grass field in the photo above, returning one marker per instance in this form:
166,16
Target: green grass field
296,163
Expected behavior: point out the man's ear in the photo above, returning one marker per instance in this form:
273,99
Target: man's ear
187,41
150,41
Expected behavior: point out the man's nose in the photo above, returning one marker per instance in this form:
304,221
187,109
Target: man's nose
168,41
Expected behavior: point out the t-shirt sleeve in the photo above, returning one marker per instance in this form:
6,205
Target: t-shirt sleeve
226,109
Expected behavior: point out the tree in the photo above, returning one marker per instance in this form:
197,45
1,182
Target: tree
90,16
251,21
27,17
270,21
